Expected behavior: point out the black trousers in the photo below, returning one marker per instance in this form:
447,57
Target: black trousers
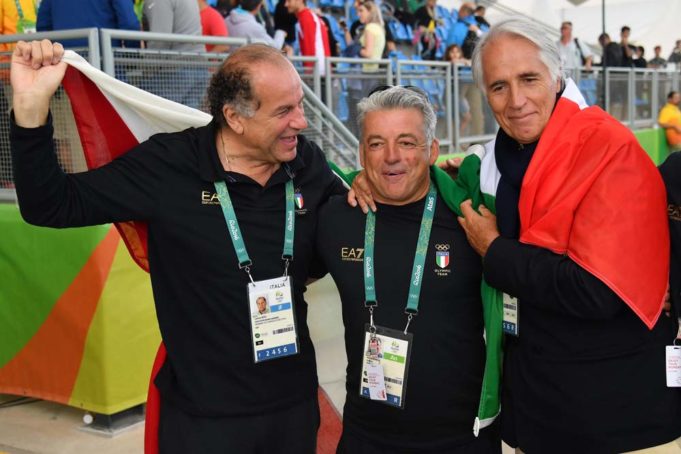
289,431
488,443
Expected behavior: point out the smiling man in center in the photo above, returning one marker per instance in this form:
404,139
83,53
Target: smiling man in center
410,291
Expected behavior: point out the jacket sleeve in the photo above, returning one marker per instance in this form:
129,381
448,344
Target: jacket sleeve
44,19
123,190
125,15
307,31
551,281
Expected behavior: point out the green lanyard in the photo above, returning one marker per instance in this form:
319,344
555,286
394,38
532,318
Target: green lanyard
245,262
417,269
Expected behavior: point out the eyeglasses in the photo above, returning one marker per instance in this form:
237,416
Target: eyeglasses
413,88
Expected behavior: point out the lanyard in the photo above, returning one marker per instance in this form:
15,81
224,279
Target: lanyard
245,262
417,269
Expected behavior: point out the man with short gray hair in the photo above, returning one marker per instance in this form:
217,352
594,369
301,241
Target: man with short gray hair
580,246
410,289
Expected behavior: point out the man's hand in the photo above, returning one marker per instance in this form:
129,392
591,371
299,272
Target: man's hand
481,229
451,166
36,72
361,193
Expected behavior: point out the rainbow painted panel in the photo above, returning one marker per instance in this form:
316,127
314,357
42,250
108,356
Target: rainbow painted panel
80,323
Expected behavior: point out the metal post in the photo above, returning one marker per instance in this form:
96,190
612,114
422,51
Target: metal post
93,44
329,80
604,76
455,108
107,53
632,98
448,109
655,96
606,88
316,80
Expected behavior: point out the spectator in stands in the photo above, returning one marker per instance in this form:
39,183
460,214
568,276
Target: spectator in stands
573,54
283,20
68,14
613,57
612,52
670,119
454,55
371,45
675,56
354,31
241,22
313,36
427,20
639,59
334,46
224,7
657,61
212,24
479,14
16,17
372,39
628,50
465,33
177,81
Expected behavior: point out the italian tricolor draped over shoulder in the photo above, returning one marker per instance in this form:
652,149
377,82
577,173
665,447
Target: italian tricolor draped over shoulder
592,193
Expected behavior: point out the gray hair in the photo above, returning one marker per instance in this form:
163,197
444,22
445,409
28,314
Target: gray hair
399,97
523,28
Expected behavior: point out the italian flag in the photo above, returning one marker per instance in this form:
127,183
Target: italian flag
591,193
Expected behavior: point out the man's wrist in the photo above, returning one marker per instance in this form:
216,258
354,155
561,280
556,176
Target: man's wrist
29,112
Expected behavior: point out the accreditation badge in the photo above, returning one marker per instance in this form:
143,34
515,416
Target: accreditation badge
385,365
510,322
273,324
673,366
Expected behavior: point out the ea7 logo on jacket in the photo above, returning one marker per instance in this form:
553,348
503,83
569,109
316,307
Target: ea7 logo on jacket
209,198
442,259
352,254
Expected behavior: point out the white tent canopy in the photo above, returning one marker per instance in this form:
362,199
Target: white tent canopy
652,22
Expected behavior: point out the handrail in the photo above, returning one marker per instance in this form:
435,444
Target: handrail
91,34
109,34
133,35
339,127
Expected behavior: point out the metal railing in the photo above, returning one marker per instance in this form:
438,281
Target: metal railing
634,96
347,80
91,52
435,78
